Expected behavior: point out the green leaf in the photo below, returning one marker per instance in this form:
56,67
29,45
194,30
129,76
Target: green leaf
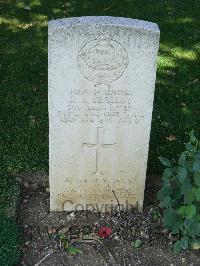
187,224
183,211
182,159
197,194
193,139
197,217
196,165
194,229
164,161
165,202
170,218
184,242
73,250
197,178
189,198
177,246
167,174
189,147
191,211
186,186
187,211
182,174
137,243
164,191
177,226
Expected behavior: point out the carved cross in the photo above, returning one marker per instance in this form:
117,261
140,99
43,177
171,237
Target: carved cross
98,145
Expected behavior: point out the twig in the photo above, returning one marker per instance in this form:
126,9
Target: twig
86,241
111,256
124,261
102,258
48,254
116,199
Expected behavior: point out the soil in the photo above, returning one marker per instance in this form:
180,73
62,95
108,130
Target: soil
41,229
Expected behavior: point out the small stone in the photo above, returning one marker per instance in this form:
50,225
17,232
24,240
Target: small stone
165,231
170,236
72,215
183,259
25,200
142,233
26,185
64,229
47,189
51,230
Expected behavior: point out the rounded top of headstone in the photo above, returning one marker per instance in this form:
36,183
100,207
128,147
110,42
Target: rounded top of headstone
105,20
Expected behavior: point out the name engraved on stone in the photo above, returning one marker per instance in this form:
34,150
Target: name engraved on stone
103,60
100,105
98,145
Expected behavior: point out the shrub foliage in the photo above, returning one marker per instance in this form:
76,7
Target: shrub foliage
180,196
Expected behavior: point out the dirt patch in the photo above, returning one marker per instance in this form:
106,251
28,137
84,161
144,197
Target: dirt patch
40,242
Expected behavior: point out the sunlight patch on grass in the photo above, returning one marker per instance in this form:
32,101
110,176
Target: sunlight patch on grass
56,11
166,62
170,54
35,3
186,20
14,24
184,54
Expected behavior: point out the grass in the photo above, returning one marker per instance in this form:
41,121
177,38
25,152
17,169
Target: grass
23,72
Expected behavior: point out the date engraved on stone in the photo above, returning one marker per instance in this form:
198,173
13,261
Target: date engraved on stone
102,60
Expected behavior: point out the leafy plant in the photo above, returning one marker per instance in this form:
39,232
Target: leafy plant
67,245
156,214
137,243
180,196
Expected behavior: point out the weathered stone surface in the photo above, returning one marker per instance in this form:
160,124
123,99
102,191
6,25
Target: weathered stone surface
101,84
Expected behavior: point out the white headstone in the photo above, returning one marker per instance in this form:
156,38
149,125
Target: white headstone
102,74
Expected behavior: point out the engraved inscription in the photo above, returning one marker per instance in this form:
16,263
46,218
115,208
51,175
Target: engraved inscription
100,105
97,146
103,60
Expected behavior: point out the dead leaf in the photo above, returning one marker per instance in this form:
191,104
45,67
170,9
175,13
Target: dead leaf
171,138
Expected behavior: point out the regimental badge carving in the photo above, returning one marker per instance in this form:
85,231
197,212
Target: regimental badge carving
102,60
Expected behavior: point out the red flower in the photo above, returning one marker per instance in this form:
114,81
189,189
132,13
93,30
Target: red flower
104,232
